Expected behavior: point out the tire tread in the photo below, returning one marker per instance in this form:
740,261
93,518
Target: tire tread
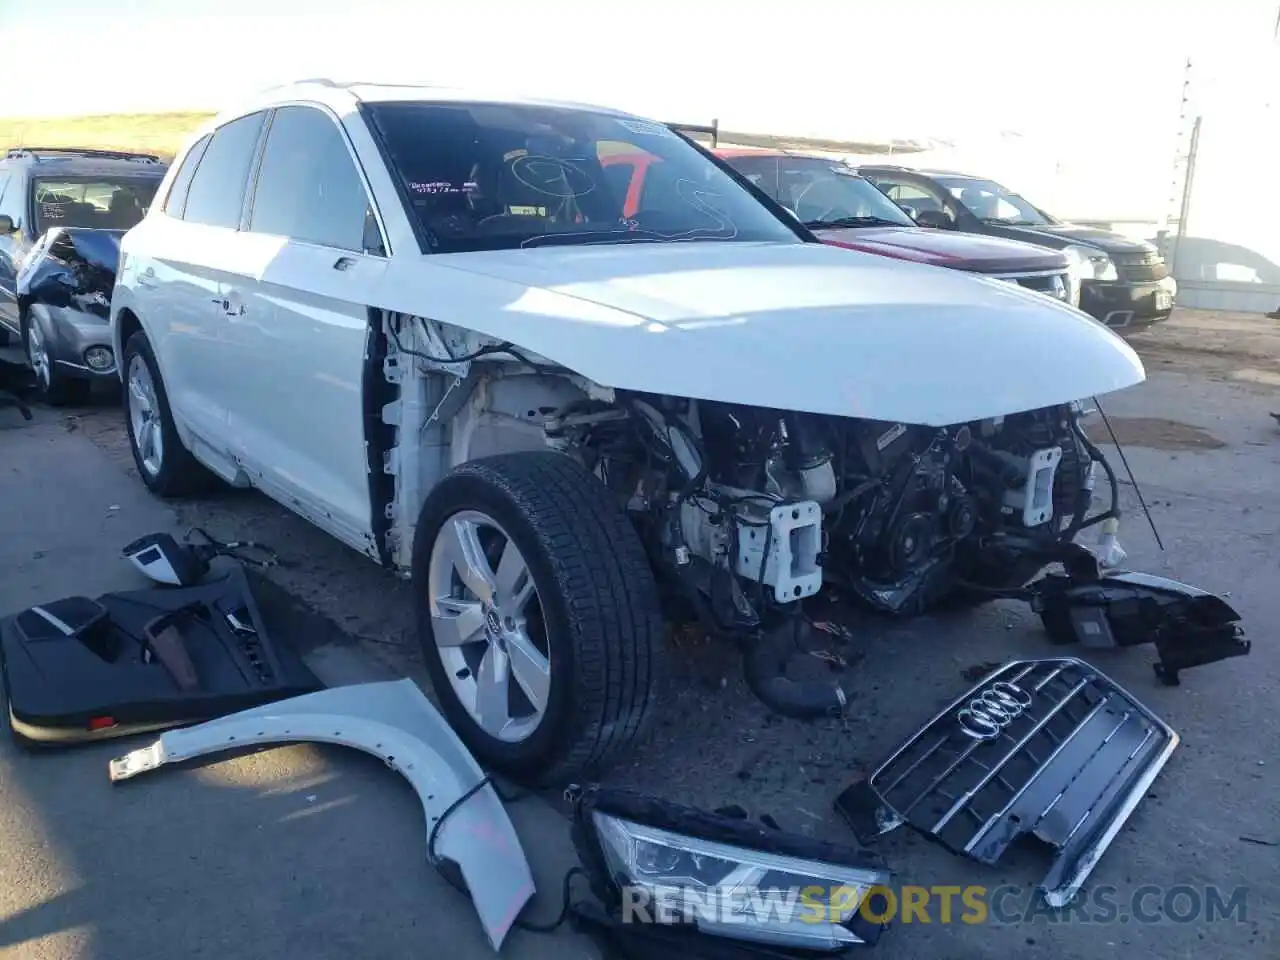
603,574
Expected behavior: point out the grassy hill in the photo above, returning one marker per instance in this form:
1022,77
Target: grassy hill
160,133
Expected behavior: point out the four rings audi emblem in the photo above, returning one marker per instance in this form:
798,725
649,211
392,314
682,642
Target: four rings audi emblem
983,717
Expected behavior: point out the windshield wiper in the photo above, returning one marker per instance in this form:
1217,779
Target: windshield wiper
853,222
1011,222
587,237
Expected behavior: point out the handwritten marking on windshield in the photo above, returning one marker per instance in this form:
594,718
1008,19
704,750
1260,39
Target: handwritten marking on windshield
645,127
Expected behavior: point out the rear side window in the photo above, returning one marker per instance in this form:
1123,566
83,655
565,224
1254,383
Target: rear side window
308,188
176,202
216,194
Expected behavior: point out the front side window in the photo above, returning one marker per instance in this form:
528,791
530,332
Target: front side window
308,188
216,195
821,193
503,176
992,203
101,203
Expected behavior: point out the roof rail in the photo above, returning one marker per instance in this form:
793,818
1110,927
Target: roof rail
318,81
712,131
15,152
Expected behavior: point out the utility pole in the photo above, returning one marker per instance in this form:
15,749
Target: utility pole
1178,205
1188,182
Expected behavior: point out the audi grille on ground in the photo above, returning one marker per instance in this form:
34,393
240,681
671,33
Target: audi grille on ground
1052,749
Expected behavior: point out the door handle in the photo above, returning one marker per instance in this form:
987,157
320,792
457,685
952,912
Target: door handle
230,308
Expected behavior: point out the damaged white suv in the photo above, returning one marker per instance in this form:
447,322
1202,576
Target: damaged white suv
419,318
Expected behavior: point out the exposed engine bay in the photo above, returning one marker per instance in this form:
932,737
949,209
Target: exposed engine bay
747,512
759,508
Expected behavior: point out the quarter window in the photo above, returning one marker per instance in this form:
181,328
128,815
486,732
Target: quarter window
216,194
308,188
176,202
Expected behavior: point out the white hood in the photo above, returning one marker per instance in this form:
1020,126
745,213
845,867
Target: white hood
803,327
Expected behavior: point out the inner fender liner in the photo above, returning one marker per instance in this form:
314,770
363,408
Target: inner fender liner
1048,748
395,722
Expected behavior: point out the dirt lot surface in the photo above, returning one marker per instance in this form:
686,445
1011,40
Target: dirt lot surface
1241,348
1207,454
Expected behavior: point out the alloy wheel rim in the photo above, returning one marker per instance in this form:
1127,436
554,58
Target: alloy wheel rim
487,622
148,440
38,356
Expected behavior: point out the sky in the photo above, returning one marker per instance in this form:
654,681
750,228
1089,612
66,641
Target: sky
1061,80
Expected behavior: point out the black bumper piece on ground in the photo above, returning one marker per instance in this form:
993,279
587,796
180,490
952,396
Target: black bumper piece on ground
1189,626
1048,748
77,669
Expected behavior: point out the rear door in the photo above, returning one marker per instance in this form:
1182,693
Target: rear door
294,384
183,259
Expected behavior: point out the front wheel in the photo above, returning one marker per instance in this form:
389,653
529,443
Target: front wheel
538,616
53,386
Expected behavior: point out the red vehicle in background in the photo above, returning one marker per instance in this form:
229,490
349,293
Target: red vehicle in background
845,209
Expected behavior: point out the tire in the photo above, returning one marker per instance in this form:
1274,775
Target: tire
53,386
177,473
594,614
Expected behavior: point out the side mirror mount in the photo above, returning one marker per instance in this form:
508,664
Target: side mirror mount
7,226
934,219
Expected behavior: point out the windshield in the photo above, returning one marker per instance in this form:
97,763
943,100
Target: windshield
500,176
992,203
105,203
820,192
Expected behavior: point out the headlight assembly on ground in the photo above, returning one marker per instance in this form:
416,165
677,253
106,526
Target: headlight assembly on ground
725,876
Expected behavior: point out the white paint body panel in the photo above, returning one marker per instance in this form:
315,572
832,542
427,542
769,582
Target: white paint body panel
801,326
394,722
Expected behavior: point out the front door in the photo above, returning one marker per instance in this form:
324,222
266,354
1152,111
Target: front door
297,327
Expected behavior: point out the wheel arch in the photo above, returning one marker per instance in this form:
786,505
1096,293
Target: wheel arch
423,419
125,323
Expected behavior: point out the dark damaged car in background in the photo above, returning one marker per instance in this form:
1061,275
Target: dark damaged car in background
63,212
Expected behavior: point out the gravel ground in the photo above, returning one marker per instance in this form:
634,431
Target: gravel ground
1200,440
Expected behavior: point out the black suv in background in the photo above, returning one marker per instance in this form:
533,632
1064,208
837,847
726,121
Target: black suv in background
63,212
1125,283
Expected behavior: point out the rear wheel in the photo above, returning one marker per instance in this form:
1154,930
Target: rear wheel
165,465
538,616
